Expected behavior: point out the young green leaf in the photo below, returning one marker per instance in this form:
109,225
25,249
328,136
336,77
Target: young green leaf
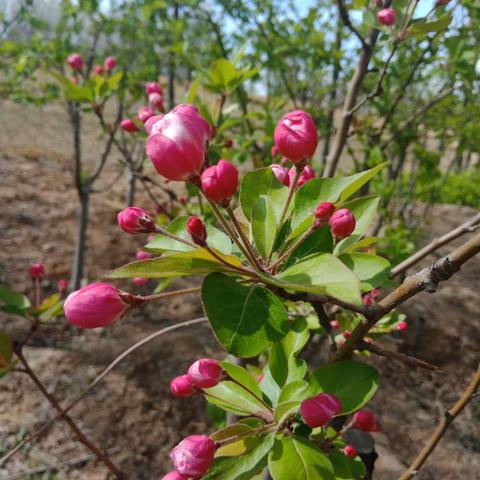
264,226
372,270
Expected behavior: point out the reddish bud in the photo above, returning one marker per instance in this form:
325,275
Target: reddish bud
220,182
335,324
368,340
306,175
205,373
350,451
93,306
275,151
110,63
323,213
182,200
260,377
140,255
228,143
182,386
197,231
296,136
144,113
62,286
139,281
37,270
401,326
135,220
153,87
129,125
319,410
281,173
193,456
75,61
387,16
343,223
375,293
175,476
98,69
365,420
346,334
156,100
367,300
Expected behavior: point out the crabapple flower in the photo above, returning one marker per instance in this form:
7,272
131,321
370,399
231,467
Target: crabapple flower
175,476
281,173
62,286
153,87
197,231
182,386
93,306
139,281
319,410
140,255
193,456
152,121
296,136
98,69
220,182
156,100
144,113
177,143
401,326
75,61
110,63
129,125
306,175
135,220
37,270
350,451
387,16
205,373
342,223
323,213
365,420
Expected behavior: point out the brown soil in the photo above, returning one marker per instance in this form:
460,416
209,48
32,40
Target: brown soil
132,413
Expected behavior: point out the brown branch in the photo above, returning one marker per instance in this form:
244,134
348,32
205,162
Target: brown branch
449,417
343,12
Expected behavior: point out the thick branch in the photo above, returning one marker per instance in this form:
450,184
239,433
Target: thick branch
343,12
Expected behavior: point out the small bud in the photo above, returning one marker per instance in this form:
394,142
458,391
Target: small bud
319,410
340,341
367,300
193,456
182,386
335,324
228,143
75,61
342,223
197,231
140,255
387,16
129,125
365,420
175,476
346,334
139,281
62,286
98,69
37,270
205,373
375,293
156,100
296,136
93,306
306,175
281,173
144,113
220,182
350,451
275,151
182,200
401,326
110,63
135,220
260,377
323,213
368,340
153,87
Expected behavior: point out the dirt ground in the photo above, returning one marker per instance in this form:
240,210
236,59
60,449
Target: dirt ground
132,413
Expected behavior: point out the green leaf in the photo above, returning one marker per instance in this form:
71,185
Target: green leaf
264,226
114,80
9,297
420,29
353,383
245,319
321,240
322,273
347,468
297,390
196,262
242,467
222,72
284,409
298,458
372,270
215,238
234,398
262,182
242,376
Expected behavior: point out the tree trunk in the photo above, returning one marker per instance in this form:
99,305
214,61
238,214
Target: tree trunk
80,242
131,188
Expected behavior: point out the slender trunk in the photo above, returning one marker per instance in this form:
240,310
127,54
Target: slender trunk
131,188
80,242
172,68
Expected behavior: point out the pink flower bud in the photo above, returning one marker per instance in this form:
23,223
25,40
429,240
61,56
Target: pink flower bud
401,326
182,386
350,451
368,340
156,100
387,16
98,69
342,223
367,300
228,143
275,151
365,420
182,200
110,63
139,281
323,213
177,143
260,377
193,456
144,113
140,255
175,476
62,286
296,136
281,173
346,334
197,231
306,175
335,324
319,410
37,270
135,220
96,305
75,61
375,293
129,125
153,87
205,373
220,182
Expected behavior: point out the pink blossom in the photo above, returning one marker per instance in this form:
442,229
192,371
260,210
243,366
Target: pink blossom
220,182
387,16
342,223
37,270
281,173
365,420
197,231
135,220
193,456
98,69
156,100
323,213
144,113
75,61
153,87
110,63
182,386
140,255
319,410
306,175
129,125
205,373
139,281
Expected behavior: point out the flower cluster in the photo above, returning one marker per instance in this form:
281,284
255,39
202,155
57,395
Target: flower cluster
204,373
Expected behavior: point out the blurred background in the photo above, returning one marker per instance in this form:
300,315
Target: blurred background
67,167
